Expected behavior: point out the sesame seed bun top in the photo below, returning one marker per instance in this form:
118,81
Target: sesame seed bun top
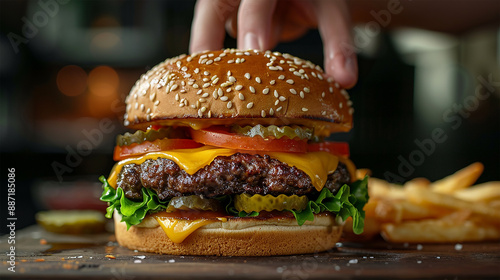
236,86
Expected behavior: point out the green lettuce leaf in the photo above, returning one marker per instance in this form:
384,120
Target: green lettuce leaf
347,202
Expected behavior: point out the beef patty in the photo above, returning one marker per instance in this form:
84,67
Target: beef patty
225,175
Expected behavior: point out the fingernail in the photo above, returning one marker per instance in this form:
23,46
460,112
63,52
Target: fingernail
250,41
349,66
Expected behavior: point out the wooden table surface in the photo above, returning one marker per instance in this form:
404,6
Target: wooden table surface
84,257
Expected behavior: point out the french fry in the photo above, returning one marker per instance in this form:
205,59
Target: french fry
384,189
362,172
483,192
459,180
397,211
425,196
438,231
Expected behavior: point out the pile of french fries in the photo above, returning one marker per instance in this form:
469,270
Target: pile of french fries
448,210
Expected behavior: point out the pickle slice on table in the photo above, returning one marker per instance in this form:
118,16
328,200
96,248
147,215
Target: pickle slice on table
72,221
257,203
193,202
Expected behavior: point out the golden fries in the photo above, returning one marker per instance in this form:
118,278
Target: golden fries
448,210
461,179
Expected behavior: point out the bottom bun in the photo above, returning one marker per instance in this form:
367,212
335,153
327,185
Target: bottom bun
257,239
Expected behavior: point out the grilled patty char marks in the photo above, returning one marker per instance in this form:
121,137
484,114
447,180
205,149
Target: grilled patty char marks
235,174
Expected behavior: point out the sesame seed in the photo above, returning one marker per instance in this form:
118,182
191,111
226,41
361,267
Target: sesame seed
238,87
228,73
203,61
323,113
265,91
148,118
313,74
247,53
241,96
174,87
224,98
220,92
217,59
257,79
215,81
203,56
178,63
200,113
196,70
232,79
136,105
203,109
206,73
247,75
229,104
351,111
331,90
323,94
230,61
263,114
152,96
301,94
181,104
337,85
228,89
301,71
213,77
195,86
226,84
341,105
297,73
205,95
329,80
276,102
238,60
271,111
199,92
276,94
214,94
306,89
282,98
273,68
272,82
279,108
189,59
291,69
193,106
183,91
198,104
349,103
290,81
210,61
210,55
320,77
252,89
209,114
148,111
250,105
281,77
176,97
205,85
304,109
184,68
293,91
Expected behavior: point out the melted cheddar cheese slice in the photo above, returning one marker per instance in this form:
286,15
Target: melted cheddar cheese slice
178,230
315,164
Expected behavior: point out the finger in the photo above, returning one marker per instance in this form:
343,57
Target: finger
207,30
334,27
254,24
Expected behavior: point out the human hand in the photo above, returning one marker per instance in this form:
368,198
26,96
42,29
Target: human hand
261,24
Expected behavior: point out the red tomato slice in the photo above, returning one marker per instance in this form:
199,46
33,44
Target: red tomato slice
123,152
220,137
336,148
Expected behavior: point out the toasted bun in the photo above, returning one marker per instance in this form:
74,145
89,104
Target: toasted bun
251,240
233,86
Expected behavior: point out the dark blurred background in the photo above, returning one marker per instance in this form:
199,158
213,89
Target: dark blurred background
66,67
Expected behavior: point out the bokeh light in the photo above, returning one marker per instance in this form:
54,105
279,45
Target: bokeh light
71,80
103,81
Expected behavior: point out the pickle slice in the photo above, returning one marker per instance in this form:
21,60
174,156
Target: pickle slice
248,203
274,131
193,202
149,135
72,221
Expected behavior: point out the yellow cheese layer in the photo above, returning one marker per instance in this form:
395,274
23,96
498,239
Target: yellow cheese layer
315,164
178,230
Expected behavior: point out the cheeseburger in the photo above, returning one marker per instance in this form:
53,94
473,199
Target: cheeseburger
229,158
